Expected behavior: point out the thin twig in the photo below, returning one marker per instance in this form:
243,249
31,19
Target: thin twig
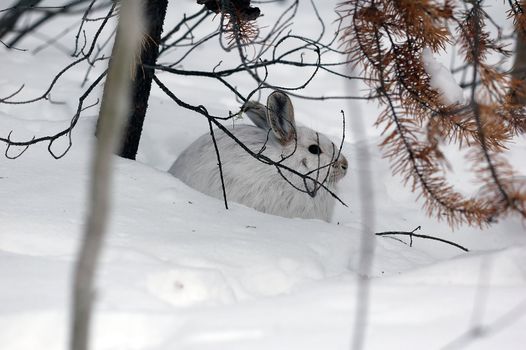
413,234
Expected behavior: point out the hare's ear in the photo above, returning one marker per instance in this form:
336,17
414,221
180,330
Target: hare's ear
257,113
280,115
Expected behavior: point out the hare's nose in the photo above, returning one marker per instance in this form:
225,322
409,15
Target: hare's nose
343,163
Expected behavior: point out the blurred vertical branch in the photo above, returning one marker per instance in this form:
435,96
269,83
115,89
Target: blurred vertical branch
367,236
114,106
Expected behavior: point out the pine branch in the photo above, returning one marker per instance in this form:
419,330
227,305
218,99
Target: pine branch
387,39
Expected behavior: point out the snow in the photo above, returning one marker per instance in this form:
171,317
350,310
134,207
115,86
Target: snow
181,272
442,79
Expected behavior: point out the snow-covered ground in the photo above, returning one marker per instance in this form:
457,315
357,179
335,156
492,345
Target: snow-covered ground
181,272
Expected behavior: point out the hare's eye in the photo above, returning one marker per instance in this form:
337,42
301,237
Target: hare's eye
314,149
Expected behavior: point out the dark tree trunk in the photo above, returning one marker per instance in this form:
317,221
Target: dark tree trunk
519,70
155,12
9,19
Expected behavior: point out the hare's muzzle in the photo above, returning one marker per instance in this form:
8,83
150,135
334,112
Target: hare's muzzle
340,168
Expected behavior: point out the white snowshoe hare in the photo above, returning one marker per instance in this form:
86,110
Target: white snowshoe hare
249,181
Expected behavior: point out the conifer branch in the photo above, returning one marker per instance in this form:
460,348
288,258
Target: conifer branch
387,40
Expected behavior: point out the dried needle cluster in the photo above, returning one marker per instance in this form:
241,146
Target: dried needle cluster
387,39
238,18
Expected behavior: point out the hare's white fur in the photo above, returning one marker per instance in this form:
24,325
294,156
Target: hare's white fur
258,185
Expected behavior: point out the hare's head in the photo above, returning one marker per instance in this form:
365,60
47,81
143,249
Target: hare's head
302,149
